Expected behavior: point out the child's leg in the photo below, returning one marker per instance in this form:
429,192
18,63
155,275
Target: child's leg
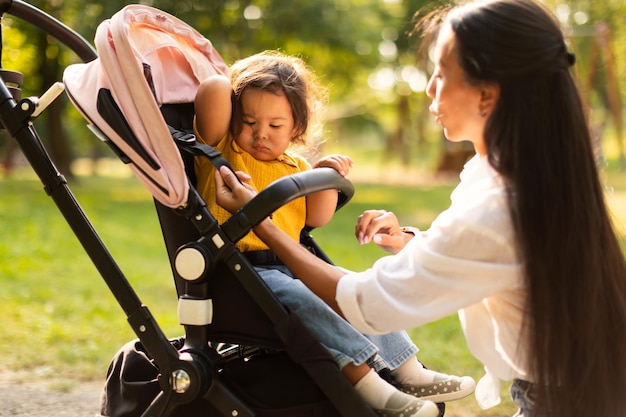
213,108
346,345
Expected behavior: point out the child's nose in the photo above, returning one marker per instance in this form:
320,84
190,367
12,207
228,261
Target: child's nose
260,132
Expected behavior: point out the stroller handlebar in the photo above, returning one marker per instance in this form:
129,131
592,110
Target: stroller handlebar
283,191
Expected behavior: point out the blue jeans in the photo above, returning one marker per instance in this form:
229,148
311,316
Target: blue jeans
522,395
344,342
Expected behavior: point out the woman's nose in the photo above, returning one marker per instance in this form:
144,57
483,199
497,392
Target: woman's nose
430,88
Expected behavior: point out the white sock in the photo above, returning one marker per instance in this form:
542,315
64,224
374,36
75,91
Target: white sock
374,390
413,372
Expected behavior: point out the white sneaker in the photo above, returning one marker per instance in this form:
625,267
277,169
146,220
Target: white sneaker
443,388
402,405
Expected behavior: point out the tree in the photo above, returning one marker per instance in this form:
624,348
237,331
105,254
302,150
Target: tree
360,48
596,32
42,59
338,38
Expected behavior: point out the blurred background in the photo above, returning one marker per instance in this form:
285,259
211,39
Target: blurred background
360,49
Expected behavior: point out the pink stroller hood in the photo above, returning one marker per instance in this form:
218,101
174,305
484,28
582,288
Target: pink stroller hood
146,58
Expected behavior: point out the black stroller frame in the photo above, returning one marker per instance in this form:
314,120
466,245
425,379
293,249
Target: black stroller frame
190,369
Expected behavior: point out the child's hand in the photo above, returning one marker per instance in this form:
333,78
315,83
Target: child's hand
340,163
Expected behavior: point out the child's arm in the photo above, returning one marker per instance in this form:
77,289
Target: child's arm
321,206
213,108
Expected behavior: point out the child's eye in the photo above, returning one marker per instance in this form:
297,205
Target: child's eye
249,122
275,126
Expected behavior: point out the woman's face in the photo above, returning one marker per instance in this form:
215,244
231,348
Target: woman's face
268,124
456,104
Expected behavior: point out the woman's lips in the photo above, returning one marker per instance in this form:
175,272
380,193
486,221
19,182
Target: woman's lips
433,110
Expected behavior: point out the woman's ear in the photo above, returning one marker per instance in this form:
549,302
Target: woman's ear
489,95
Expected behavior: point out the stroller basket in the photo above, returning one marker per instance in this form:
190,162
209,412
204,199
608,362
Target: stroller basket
243,353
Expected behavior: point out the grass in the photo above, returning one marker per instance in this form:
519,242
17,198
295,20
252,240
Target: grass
54,301
61,320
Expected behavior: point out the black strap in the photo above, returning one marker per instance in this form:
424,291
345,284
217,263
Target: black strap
262,257
268,257
187,143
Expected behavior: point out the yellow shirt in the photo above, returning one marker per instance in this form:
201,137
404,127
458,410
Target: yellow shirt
290,218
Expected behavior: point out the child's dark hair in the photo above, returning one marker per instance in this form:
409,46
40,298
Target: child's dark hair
285,75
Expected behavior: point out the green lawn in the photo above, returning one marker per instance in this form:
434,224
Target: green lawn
60,319
54,302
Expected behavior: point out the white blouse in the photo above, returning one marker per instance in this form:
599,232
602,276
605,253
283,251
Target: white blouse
467,263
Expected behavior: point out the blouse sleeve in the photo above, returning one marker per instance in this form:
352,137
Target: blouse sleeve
465,256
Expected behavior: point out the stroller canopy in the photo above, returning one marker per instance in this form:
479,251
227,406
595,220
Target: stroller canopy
146,58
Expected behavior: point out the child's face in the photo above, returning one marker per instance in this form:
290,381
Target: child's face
268,124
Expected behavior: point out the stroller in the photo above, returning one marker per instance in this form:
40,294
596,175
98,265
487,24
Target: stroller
243,353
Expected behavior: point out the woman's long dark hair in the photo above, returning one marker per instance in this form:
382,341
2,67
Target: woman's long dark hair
537,137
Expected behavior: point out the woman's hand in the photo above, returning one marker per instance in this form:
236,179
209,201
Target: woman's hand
340,163
231,190
382,228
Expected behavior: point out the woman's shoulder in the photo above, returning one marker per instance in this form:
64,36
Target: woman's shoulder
479,228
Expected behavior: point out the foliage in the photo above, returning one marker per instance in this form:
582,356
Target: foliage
342,40
600,64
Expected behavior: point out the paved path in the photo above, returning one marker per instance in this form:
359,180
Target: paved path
22,398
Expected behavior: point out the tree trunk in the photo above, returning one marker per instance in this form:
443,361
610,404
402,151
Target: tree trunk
397,143
54,137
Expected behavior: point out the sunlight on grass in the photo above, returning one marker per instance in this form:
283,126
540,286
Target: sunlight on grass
54,299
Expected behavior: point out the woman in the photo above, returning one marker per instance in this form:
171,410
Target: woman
526,252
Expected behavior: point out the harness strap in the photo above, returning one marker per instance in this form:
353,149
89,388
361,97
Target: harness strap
188,144
262,257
